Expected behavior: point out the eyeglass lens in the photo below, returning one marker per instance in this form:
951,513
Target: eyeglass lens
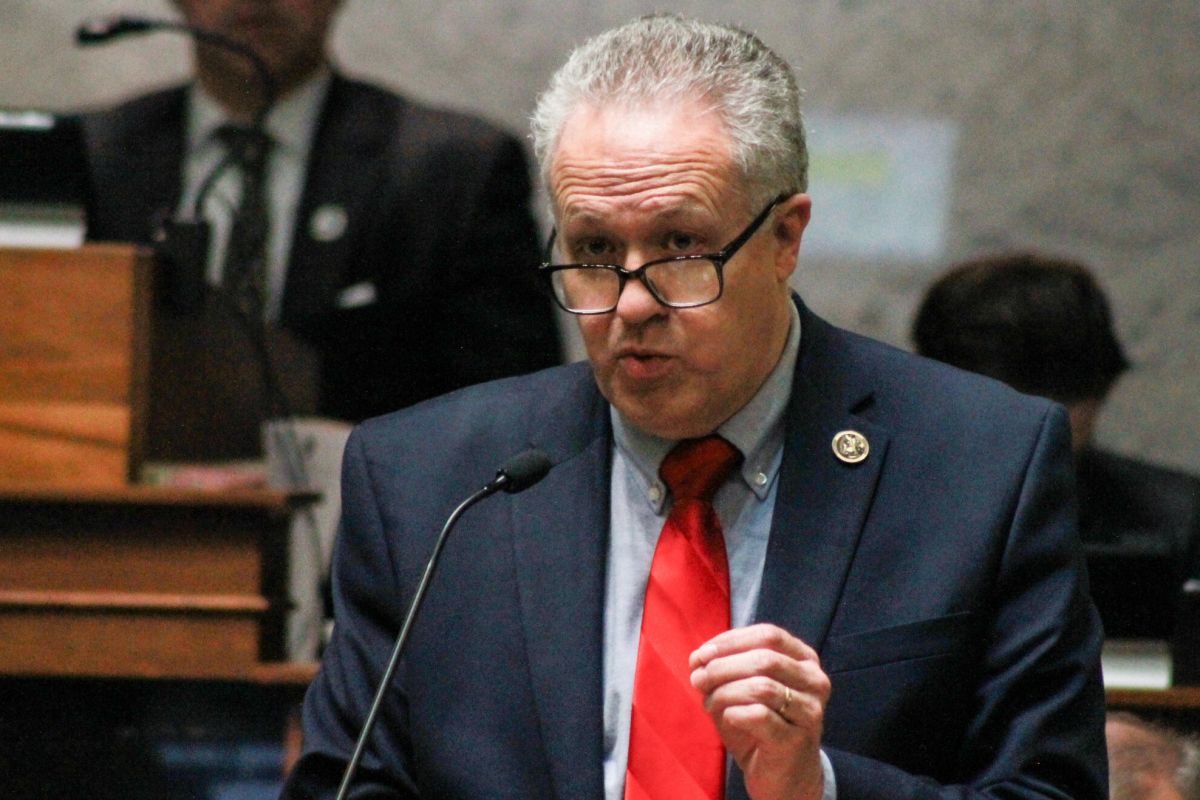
675,282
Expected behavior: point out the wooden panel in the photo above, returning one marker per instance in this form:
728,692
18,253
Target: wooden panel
129,644
73,362
132,602
142,581
1177,698
64,444
96,548
269,502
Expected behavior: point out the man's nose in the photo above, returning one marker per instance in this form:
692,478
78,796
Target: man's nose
636,304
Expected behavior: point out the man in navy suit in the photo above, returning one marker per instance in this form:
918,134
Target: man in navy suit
397,253
908,612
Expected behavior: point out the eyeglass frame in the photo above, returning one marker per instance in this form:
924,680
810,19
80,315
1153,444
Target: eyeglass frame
719,259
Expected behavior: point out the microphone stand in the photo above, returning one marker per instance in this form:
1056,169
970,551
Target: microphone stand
185,241
518,473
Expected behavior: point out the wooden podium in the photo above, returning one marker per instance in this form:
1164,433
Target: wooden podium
74,361
142,582
99,576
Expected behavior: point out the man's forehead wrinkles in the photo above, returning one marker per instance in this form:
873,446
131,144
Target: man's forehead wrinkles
666,210
582,202
690,188
619,169
635,192
603,168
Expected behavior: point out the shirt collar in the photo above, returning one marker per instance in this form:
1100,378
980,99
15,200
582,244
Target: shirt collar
291,122
756,430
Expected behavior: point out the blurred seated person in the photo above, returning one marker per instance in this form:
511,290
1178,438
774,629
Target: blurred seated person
392,253
1147,761
1042,325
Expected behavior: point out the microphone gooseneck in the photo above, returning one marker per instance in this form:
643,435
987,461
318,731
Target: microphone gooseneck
517,474
100,30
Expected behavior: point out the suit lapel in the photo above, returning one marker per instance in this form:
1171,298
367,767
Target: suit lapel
352,136
560,539
165,146
140,199
822,502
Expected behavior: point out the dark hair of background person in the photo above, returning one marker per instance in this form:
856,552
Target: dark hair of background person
1038,323
1042,325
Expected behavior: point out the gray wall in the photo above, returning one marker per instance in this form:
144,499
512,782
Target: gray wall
1073,127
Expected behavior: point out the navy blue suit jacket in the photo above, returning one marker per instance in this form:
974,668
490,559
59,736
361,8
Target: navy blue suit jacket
940,580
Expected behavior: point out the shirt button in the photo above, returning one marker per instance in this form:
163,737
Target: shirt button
760,479
655,494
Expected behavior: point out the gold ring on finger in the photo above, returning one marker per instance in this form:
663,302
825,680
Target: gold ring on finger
787,700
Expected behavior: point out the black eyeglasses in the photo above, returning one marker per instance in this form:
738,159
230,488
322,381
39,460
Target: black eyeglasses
677,282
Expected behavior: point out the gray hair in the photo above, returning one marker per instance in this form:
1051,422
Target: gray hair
1155,751
662,58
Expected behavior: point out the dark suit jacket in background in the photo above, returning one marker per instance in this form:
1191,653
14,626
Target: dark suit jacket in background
940,580
439,225
1140,526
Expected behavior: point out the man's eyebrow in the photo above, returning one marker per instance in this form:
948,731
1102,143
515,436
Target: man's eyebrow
676,212
579,218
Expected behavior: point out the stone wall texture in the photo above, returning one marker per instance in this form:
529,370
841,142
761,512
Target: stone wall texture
1077,132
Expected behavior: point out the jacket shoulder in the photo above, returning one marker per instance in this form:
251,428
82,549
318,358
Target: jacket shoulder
422,141
909,389
131,118
558,410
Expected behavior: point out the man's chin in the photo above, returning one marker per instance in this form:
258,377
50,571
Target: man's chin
663,418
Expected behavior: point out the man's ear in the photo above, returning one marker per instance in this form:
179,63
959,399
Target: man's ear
790,219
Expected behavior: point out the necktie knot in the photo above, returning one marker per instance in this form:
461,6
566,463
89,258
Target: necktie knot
247,146
696,468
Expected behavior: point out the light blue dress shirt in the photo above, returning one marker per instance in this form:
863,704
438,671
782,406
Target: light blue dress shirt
638,510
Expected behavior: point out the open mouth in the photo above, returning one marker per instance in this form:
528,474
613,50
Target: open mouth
643,364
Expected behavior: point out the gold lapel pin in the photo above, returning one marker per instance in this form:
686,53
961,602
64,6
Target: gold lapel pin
851,447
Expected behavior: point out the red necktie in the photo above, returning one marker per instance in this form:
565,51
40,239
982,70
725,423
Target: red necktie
675,752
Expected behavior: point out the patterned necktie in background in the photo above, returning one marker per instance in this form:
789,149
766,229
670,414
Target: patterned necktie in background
675,752
244,273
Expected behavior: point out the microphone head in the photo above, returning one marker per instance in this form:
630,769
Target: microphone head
523,470
101,29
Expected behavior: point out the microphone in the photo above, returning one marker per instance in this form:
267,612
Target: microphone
101,29
516,475
522,471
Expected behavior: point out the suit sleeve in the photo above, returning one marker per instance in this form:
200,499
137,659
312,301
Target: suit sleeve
1035,728
367,611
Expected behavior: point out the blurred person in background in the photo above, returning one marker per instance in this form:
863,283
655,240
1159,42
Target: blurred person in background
1043,325
394,240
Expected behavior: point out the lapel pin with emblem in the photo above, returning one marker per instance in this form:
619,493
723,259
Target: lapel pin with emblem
328,222
851,447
